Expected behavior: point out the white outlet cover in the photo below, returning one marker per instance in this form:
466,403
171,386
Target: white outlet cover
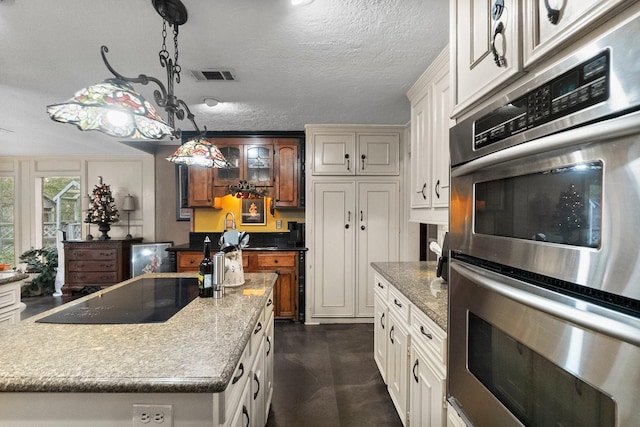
145,415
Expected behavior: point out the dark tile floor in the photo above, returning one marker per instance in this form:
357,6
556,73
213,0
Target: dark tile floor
325,375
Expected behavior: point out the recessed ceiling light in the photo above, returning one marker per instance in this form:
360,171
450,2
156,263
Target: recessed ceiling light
301,2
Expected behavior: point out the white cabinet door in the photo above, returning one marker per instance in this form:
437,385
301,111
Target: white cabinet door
334,221
427,391
242,415
334,153
377,228
486,47
268,366
551,24
257,382
420,170
378,154
397,367
440,141
430,100
380,336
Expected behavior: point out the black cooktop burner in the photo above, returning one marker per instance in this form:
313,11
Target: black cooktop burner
148,300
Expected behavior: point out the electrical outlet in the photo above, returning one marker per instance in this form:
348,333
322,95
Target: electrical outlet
278,224
152,415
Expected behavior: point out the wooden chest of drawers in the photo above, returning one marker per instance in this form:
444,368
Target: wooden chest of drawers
96,263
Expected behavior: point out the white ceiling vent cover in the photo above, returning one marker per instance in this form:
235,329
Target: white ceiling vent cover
214,75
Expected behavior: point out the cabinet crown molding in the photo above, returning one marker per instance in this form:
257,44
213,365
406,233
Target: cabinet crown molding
419,88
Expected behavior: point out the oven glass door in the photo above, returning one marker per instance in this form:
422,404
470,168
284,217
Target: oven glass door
521,355
557,205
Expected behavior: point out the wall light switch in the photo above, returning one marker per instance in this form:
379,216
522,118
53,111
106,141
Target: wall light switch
278,224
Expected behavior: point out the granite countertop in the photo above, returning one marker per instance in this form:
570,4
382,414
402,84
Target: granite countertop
195,351
418,282
11,276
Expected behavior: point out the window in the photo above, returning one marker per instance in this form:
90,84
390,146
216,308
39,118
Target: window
7,233
61,209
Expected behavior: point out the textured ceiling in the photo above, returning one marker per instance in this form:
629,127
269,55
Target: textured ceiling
333,61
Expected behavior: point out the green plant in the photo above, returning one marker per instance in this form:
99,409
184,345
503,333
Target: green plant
45,262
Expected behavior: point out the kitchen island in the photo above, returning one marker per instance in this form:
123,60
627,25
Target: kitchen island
198,361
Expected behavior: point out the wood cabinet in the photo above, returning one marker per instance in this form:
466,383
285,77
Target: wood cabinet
272,163
286,191
430,100
495,42
98,263
344,150
200,186
284,263
354,223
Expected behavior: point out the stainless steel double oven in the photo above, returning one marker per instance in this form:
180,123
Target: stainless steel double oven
544,282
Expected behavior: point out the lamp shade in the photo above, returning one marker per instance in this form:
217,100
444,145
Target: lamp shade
112,107
198,152
129,204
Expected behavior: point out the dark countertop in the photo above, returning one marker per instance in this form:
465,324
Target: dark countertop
257,242
195,351
418,282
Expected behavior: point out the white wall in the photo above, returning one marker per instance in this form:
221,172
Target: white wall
133,175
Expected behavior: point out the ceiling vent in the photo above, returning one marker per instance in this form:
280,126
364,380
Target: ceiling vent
213,75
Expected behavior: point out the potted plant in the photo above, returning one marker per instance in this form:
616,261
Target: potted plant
44,263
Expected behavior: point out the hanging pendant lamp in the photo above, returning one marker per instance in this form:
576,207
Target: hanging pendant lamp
198,152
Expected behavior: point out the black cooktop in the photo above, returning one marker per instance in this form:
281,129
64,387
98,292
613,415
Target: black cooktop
147,300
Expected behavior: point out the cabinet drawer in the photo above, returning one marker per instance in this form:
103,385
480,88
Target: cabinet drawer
381,286
429,335
9,295
268,307
105,265
91,254
189,261
275,260
105,277
256,334
398,304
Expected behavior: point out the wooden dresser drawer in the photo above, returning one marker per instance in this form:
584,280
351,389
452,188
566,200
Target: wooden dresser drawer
92,254
189,261
106,265
90,277
430,335
276,260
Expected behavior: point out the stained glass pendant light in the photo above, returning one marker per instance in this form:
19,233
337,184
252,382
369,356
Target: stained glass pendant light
112,107
198,152
115,108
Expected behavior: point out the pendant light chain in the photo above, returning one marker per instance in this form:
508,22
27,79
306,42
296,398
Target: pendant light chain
177,67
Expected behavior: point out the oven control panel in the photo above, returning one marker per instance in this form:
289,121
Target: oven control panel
583,86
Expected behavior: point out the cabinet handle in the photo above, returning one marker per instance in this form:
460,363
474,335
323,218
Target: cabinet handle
346,156
438,189
363,157
255,378
348,220
552,14
269,302
237,378
424,187
258,328
246,412
497,58
395,301
391,335
380,285
425,333
382,320
269,342
415,365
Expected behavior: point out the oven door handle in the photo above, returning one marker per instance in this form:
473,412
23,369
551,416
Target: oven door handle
623,328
